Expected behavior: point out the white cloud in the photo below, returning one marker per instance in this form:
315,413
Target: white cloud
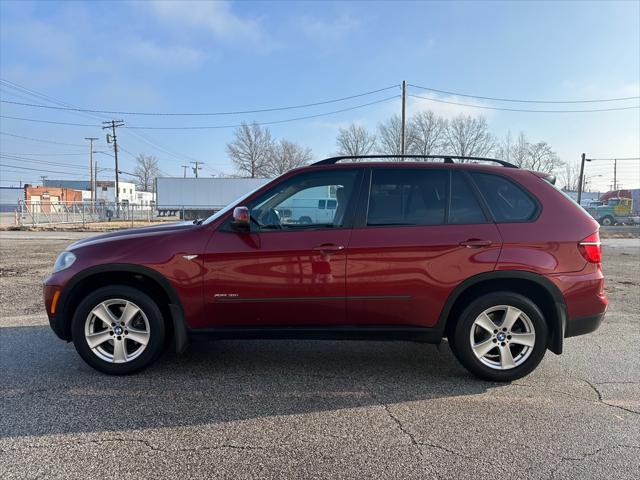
170,56
332,30
214,17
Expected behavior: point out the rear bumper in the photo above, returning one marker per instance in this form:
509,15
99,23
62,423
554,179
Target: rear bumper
584,325
584,298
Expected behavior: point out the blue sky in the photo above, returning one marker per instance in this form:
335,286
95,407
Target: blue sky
185,57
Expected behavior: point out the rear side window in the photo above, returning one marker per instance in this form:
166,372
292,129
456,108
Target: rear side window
407,197
507,201
465,207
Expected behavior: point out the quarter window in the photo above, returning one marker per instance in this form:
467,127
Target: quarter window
407,197
507,201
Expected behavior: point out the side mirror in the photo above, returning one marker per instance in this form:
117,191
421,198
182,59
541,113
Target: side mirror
241,218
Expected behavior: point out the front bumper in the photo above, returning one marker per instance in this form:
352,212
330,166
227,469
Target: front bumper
51,294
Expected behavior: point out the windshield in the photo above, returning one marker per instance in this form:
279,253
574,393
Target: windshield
238,200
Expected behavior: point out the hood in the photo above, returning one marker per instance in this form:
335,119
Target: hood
133,233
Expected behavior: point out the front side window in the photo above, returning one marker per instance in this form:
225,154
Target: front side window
407,197
302,202
507,201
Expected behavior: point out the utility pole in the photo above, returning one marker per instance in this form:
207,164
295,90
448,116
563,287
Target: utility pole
404,104
581,179
95,181
197,167
184,170
615,177
43,178
113,124
91,140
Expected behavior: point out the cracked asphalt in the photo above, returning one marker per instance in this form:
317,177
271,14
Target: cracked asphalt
303,409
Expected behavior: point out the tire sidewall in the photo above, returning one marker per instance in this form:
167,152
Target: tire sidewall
463,329
145,303
607,221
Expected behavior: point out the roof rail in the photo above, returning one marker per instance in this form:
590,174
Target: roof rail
445,158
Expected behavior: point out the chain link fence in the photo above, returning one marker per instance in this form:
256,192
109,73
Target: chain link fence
60,213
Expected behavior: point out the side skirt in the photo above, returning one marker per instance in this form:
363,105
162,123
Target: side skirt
372,333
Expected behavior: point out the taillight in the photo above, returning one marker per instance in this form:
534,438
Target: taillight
591,249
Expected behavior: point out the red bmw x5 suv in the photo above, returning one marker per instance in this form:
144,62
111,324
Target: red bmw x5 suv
492,257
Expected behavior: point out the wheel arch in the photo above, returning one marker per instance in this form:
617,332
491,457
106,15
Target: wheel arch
536,287
146,279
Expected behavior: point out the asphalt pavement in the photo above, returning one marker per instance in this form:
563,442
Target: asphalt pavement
313,409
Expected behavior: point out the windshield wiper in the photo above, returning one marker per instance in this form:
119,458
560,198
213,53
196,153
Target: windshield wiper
198,221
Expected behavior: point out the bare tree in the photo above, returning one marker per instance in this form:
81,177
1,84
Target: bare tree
505,148
285,156
570,177
355,140
468,136
542,158
146,171
390,136
427,131
520,152
250,149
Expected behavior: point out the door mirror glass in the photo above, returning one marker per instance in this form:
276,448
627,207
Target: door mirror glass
241,218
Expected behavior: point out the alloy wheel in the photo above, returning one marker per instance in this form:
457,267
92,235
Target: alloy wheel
502,337
117,331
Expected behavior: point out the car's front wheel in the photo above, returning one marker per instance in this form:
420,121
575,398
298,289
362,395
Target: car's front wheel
501,337
118,330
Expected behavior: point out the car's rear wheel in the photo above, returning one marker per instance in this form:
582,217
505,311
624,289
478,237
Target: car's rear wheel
118,330
501,337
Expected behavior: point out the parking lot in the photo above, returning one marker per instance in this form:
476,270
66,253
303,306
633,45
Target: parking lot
305,409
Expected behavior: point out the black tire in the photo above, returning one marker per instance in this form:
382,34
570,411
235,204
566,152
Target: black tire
607,221
461,345
156,341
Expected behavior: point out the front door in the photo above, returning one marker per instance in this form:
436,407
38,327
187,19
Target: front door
425,231
290,268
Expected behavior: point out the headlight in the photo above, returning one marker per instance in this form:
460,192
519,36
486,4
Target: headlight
64,260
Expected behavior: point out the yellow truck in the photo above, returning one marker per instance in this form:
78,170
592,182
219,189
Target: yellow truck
614,210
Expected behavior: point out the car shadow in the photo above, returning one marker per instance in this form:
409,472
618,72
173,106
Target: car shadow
45,388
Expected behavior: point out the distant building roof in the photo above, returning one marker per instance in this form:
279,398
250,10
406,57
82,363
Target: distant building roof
74,184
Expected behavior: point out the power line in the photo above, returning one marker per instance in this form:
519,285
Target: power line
612,159
41,162
41,140
275,122
46,154
49,121
513,100
523,109
203,114
139,135
207,127
39,170
42,96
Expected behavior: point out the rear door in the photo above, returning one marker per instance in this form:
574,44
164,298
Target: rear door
424,232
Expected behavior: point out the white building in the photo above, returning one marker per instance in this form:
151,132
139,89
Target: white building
106,192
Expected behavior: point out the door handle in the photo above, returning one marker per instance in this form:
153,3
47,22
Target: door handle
475,243
328,248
